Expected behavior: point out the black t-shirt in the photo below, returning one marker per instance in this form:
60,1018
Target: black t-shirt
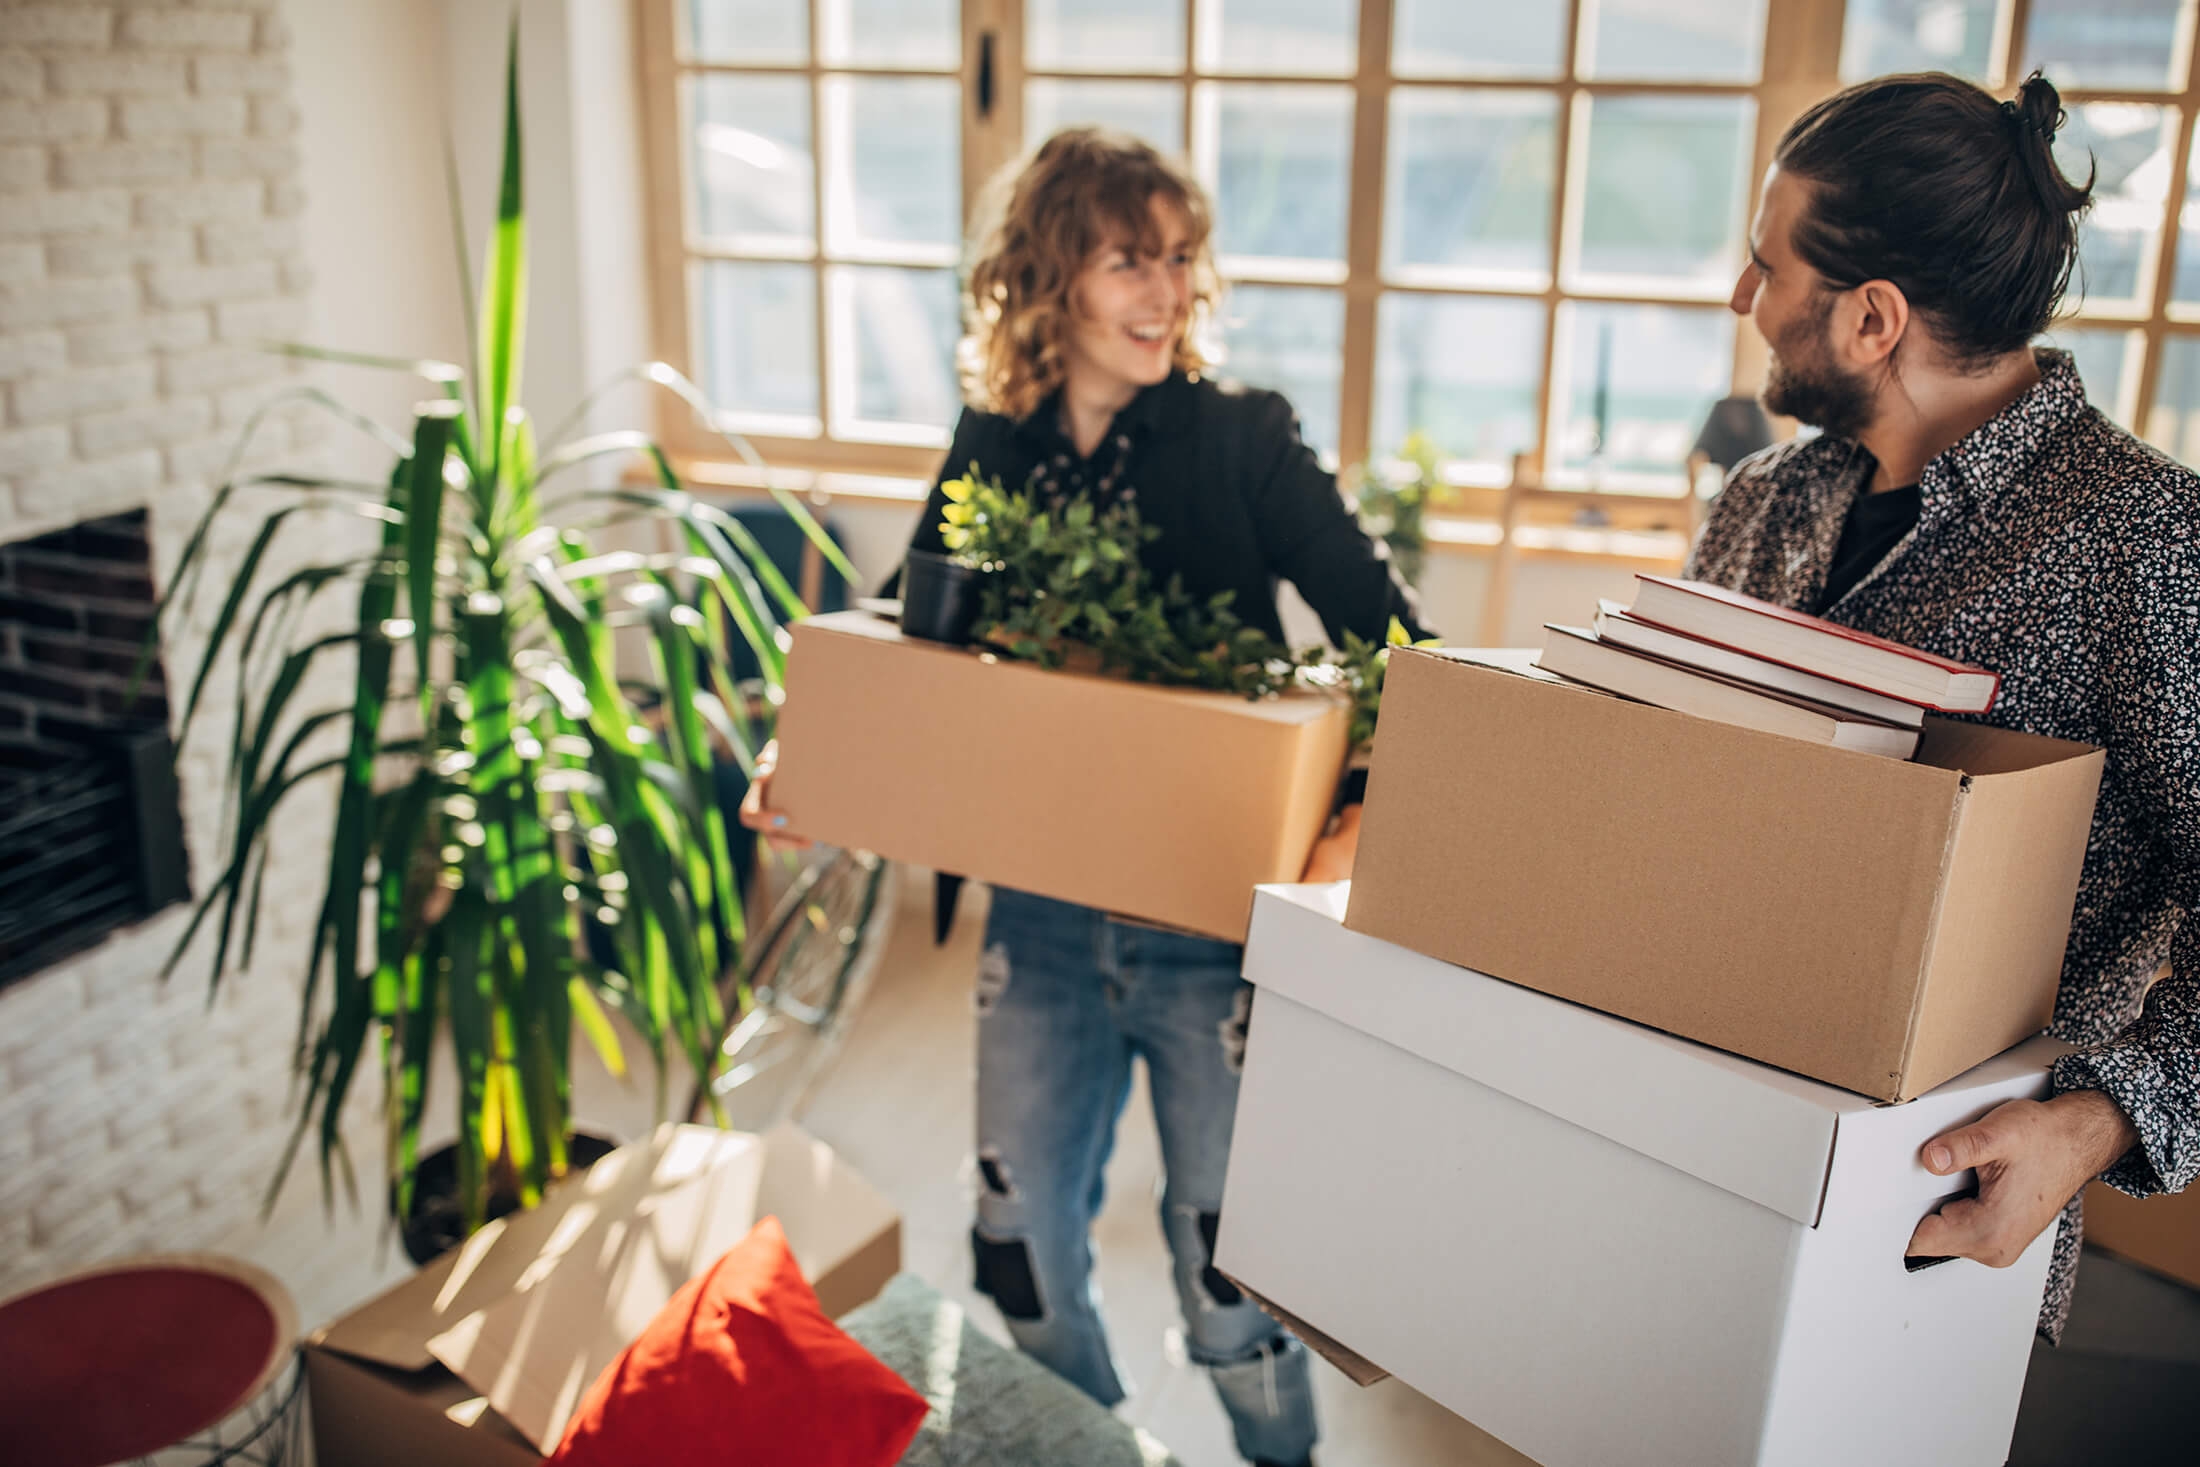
1876,524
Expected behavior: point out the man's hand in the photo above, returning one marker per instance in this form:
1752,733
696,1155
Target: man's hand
2032,1157
756,812
1331,858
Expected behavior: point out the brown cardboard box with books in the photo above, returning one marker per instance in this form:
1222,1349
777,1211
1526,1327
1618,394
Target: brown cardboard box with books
478,1359
1164,804
1877,924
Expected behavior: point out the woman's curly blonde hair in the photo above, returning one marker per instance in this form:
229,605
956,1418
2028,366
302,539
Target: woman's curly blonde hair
1041,222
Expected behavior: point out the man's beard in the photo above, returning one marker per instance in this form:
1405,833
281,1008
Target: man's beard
1804,383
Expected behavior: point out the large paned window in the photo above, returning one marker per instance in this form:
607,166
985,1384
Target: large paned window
1508,225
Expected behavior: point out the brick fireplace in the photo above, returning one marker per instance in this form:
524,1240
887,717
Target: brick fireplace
91,837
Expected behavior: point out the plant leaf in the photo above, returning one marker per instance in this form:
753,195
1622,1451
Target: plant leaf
504,278
597,1026
423,526
693,396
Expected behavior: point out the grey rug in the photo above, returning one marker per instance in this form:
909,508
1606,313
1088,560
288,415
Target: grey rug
991,1406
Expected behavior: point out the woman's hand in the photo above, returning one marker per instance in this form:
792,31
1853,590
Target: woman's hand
1331,858
756,812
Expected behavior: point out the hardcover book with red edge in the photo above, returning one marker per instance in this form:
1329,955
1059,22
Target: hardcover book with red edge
1812,644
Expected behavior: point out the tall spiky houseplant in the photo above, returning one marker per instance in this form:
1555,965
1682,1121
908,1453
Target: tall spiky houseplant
498,789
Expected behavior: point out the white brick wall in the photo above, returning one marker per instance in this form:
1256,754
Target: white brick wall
57,27
148,193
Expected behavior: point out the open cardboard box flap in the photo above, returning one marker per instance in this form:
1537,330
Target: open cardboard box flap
615,1254
530,1309
395,1328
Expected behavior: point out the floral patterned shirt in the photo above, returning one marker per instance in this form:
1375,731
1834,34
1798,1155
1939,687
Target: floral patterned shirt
2062,552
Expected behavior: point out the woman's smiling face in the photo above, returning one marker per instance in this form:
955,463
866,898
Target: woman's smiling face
1129,309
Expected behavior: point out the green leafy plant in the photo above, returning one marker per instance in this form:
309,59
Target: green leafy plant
1395,510
1358,670
1076,578
499,790
1060,580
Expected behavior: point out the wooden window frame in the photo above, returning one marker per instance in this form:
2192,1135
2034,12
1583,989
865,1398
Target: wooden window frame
1799,66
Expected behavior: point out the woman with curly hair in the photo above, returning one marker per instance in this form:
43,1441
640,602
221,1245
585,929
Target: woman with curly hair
1086,379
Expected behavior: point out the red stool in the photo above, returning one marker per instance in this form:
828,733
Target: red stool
172,1357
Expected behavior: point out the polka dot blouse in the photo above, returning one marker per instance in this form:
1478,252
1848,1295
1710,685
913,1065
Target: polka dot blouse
2062,552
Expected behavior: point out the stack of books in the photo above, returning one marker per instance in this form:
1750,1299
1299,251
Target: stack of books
1703,649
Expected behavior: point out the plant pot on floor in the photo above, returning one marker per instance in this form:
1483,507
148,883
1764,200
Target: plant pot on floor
939,597
434,1224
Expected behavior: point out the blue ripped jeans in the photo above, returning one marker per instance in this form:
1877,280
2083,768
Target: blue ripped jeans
1066,997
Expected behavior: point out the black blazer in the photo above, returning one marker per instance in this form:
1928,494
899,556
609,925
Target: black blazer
1240,500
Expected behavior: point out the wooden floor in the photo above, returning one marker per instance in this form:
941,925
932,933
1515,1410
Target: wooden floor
897,1102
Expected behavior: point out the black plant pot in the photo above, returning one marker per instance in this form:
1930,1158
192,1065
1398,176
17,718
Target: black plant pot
435,1224
939,598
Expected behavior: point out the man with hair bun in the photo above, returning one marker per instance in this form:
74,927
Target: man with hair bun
1912,237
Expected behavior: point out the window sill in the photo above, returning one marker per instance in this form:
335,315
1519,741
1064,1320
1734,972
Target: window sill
1449,534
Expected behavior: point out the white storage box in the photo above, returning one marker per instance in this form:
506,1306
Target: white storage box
1601,1243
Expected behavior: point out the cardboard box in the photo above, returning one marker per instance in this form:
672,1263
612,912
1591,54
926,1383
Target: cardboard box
2161,1233
1877,924
477,1360
1598,1242
1162,804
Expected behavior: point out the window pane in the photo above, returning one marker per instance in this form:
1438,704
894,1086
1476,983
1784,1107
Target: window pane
2132,145
752,162
1461,370
2105,43
1665,191
1633,385
1104,35
1290,340
1281,168
2185,288
758,342
1884,36
749,30
2173,423
1445,38
1290,37
1151,110
1470,183
894,175
1674,40
893,361
891,32
2104,359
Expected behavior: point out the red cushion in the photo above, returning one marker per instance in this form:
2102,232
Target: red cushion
742,1366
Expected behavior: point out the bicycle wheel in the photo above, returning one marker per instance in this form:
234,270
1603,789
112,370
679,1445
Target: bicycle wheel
809,963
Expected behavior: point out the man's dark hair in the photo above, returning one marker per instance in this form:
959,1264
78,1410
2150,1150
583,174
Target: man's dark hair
1927,181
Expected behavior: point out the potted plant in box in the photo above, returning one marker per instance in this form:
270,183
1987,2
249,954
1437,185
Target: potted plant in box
1063,585
498,789
939,595
1067,583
